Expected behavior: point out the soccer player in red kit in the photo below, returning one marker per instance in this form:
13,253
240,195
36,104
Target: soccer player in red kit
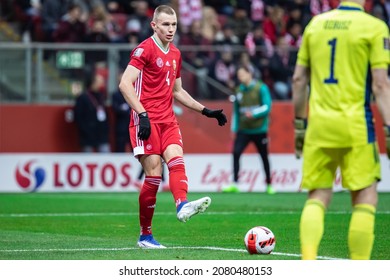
149,84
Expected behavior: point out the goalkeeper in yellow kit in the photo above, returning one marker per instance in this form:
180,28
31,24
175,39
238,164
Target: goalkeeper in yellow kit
345,56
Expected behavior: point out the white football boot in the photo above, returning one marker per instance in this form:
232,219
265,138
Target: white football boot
192,208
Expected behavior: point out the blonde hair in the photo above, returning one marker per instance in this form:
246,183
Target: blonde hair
163,9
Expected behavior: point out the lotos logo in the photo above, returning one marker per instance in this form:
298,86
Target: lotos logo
30,178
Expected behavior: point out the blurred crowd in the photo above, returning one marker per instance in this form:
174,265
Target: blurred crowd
262,34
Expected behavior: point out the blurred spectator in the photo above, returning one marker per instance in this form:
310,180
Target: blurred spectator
274,24
295,14
200,60
222,7
369,4
257,11
223,70
259,48
98,12
245,61
379,11
91,117
194,37
114,24
122,118
319,6
87,7
118,6
131,37
299,10
293,36
97,34
189,11
133,27
281,67
116,27
240,23
227,36
141,15
52,12
210,23
70,29
28,13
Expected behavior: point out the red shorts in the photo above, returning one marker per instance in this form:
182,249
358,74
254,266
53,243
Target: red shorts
162,135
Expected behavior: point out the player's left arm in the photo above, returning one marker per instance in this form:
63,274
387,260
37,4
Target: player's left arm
381,89
182,96
379,60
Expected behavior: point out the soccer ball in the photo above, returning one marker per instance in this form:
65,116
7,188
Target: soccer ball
259,240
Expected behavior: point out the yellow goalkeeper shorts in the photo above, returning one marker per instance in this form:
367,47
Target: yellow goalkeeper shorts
359,166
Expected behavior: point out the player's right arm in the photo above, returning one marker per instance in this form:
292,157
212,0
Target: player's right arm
127,88
300,91
301,77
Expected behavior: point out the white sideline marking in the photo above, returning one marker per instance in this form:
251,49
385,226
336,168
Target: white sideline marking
22,215
168,248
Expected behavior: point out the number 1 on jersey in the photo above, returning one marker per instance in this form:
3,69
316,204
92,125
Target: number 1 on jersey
332,79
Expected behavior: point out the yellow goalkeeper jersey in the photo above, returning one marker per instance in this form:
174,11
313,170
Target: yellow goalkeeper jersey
340,47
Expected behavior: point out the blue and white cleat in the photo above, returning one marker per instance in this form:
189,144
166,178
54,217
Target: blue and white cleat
148,242
192,208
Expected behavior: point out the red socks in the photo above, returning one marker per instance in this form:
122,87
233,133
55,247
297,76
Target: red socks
178,181
147,203
178,184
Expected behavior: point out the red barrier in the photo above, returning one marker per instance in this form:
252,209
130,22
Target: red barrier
43,129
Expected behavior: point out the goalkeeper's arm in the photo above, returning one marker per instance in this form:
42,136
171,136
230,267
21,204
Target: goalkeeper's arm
386,130
300,97
381,89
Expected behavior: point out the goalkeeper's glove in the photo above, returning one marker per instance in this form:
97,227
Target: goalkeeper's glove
217,114
386,130
300,131
144,126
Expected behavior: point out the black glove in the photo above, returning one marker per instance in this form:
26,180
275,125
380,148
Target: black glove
300,131
217,114
144,126
386,130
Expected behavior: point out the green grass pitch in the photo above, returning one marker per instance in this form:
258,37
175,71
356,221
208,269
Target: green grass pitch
104,226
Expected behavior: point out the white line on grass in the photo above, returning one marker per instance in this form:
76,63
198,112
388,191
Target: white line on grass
168,248
22,215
